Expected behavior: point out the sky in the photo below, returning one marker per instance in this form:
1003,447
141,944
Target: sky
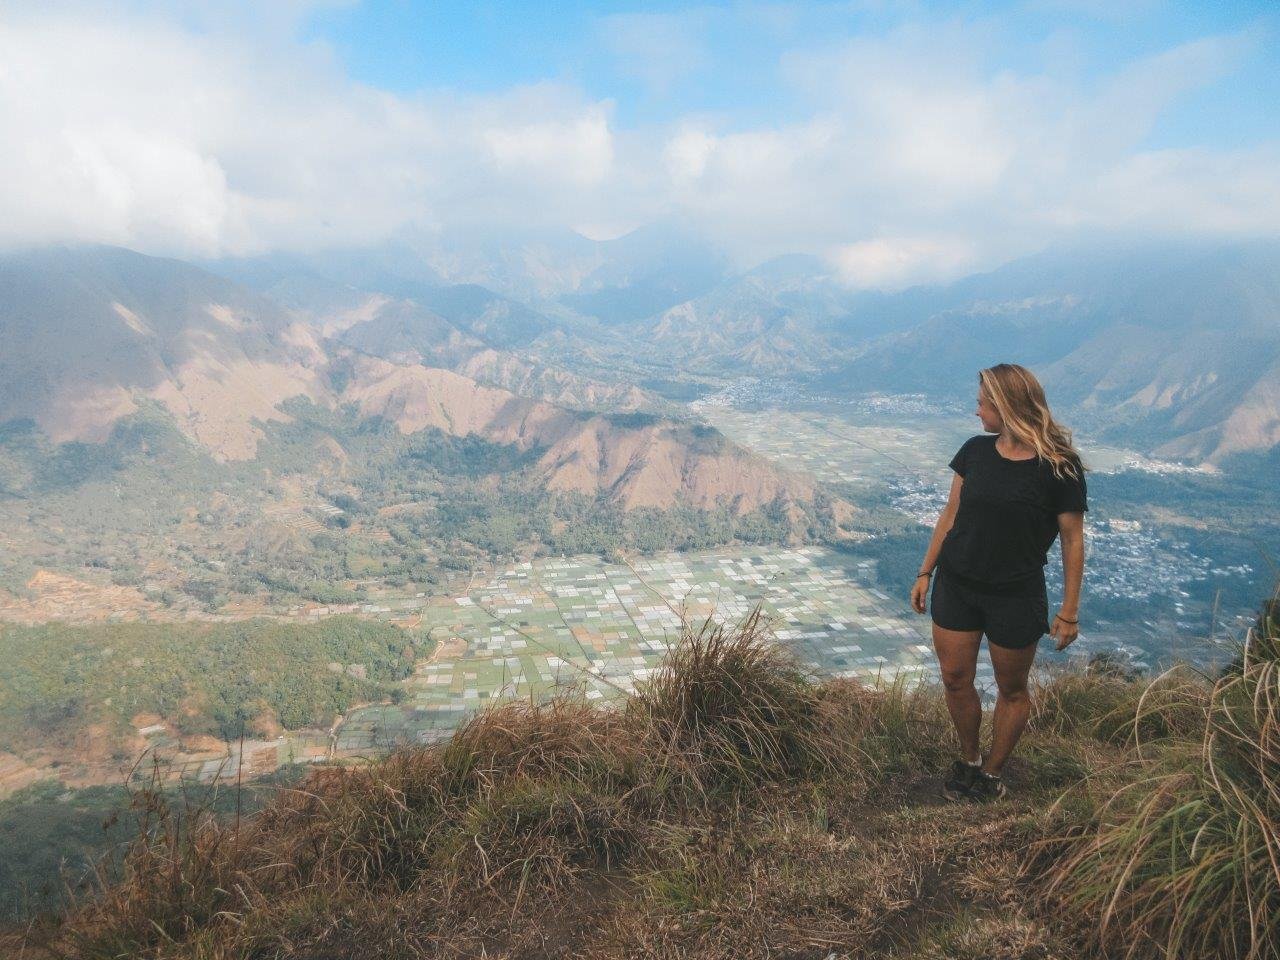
902,142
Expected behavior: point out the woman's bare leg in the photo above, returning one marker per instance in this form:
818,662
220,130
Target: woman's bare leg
1013,705
957,652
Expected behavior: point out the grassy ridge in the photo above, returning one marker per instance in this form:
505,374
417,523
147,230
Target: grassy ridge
736,808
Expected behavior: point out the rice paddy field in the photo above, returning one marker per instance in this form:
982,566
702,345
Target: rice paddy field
537,626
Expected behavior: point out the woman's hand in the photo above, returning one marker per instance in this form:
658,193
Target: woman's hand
1064,632
919,591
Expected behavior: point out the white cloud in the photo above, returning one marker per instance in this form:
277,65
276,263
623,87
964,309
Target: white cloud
907,157
764,191
577,149
687,153
142,133
1165,191
895,262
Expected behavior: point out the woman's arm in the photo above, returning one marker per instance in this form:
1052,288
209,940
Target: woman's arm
920,588
1071,532
940,529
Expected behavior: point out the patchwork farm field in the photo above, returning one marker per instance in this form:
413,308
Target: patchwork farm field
537,626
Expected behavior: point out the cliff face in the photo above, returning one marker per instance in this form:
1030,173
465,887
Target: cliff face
658,465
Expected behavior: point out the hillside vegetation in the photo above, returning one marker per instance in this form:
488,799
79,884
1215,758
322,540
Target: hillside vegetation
330,503
57,681
735,807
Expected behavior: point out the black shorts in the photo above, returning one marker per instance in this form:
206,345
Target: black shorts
1013,622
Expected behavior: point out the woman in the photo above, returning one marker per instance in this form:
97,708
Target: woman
1012,495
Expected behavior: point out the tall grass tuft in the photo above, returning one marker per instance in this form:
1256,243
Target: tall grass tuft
1118,710
730,709
1184,858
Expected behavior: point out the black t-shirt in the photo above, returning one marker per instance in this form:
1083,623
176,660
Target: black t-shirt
1007,519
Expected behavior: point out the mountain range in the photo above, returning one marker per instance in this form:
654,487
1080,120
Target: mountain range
1171,348
1174,349
91,332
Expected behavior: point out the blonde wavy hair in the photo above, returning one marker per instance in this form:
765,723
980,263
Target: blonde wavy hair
1019,398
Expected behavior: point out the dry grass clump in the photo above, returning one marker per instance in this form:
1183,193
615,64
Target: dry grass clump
729,710
524,797
1111,707
904,728
1183,859
420,809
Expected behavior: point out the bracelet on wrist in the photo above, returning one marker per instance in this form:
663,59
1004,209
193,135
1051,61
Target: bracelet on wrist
928,573
1065,620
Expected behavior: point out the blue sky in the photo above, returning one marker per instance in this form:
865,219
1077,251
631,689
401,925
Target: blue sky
903,142
731,53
